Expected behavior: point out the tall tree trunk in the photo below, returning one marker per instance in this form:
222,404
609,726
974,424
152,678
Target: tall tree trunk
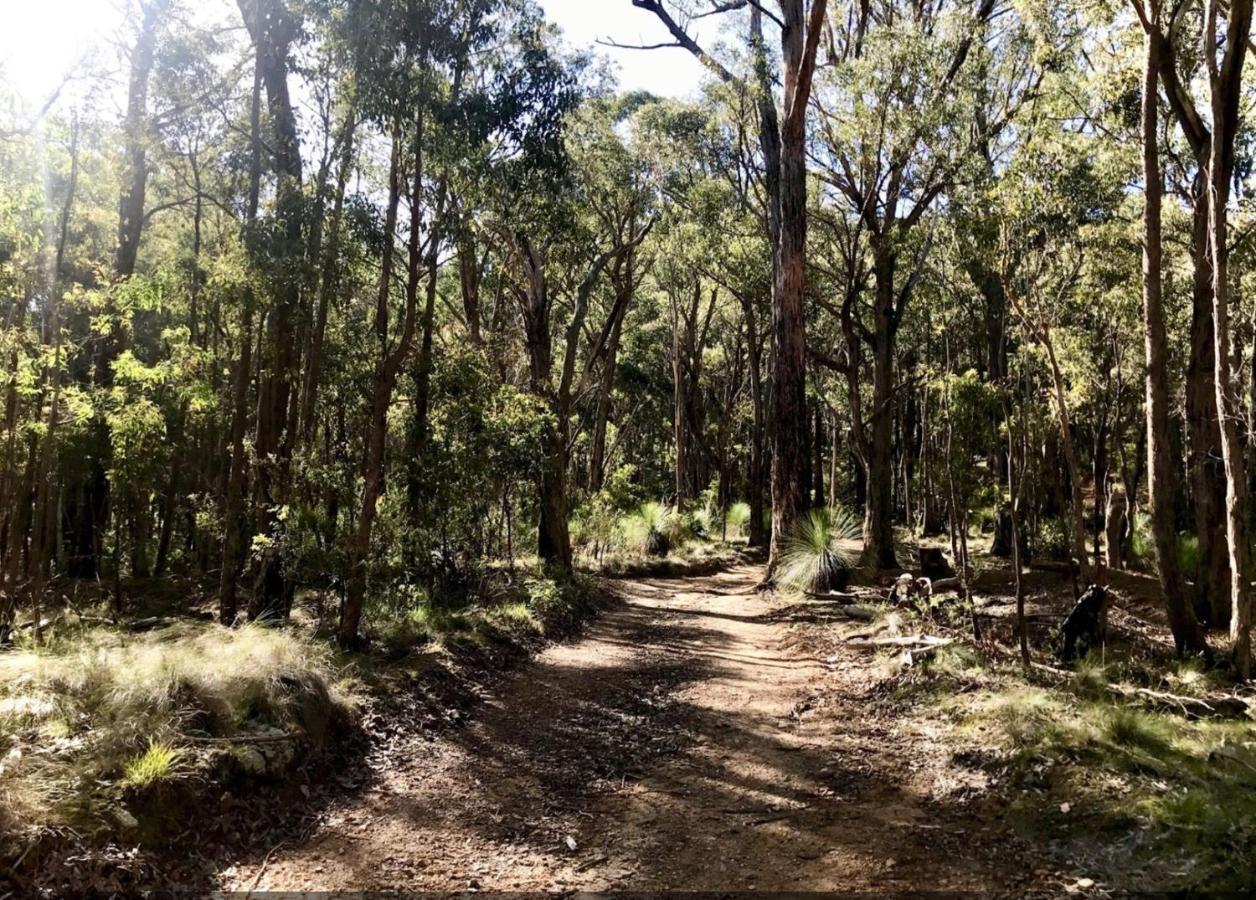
1207,472
416,442
758,532
272,27
47,488
1224,84
470,277
680,431
233,511
817,468
553,534
1161,466
800,36
233,501
328,288
601,416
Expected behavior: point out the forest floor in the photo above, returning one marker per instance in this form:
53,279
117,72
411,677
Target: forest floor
694,738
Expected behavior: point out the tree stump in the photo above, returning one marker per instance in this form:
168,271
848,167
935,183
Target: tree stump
1083,629
933,563
1001,545
1116,526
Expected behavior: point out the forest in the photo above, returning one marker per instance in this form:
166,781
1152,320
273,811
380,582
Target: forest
430,461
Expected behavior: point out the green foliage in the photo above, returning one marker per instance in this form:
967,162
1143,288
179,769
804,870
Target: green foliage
1188,554
1054,539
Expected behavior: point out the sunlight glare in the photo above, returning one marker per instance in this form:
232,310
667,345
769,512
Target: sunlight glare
45,41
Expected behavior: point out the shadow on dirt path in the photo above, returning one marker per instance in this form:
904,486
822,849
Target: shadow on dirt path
681,744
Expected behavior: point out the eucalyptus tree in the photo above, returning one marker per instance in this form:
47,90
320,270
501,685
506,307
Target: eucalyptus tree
783,145
1224,78
914,93
1162,468
557,253
421,88
1177,37
688,146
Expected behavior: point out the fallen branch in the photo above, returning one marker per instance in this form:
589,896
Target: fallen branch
915,642
832,596
1227,706
243,739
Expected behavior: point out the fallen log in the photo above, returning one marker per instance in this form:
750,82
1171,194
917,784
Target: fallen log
1063,567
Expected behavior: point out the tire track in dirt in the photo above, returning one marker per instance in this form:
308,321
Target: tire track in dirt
680,744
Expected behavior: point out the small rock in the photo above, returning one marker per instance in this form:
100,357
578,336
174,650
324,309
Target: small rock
251,760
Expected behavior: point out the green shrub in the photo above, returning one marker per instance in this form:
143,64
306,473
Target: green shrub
1053,540
738,520
1142,549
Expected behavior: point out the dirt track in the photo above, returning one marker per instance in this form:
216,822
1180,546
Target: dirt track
687,742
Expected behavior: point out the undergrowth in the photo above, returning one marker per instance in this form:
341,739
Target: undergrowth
513,607
1179,793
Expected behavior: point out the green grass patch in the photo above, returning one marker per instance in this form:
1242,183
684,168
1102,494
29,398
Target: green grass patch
153,766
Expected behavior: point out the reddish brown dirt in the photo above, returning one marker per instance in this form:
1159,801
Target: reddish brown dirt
687,742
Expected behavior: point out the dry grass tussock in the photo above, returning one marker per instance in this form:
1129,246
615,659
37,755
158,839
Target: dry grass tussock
91,726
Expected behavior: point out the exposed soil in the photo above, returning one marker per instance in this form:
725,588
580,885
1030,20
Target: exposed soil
691,740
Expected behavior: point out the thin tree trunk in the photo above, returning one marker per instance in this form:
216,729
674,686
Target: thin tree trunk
878,507
1161,466
387,370
233,504
601,417
329,287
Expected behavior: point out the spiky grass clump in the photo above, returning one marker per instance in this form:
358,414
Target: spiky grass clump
153,766
821,551
654,528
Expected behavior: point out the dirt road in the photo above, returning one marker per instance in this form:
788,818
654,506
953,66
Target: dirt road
687,741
